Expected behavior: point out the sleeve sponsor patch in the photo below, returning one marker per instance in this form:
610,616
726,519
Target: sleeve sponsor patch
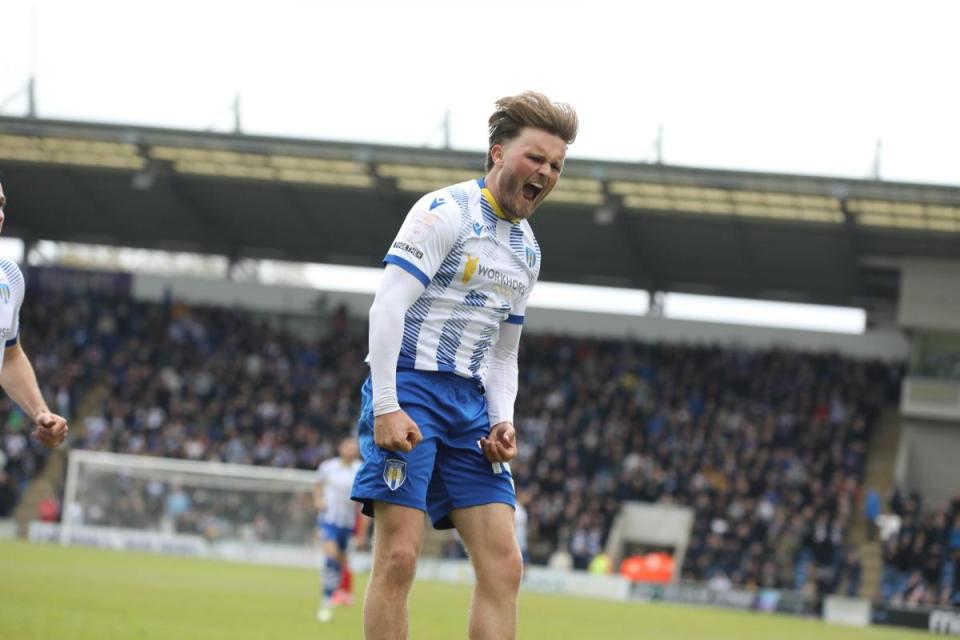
409,248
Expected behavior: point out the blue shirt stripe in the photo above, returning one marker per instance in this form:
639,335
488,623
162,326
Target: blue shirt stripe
452,333
417,314
482,346
516,242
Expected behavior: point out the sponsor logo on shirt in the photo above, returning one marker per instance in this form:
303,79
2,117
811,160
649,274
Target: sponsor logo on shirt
470,268
500,280
498,277
409,248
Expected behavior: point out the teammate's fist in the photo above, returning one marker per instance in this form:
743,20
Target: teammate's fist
395,431
50,429
501,444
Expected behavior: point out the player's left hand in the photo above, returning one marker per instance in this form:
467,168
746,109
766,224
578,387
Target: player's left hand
501,444
51,429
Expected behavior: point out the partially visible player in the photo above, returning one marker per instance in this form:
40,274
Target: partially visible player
16,373
337,522
520,519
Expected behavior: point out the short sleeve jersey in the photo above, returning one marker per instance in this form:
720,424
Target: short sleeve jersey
478,268
12,290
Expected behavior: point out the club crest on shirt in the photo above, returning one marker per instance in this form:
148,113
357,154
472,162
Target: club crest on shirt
394,473
5,292
531,257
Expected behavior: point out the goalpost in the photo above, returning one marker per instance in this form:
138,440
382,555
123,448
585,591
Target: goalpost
232,511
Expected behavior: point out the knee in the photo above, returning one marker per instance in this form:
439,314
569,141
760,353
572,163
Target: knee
502,573
399,566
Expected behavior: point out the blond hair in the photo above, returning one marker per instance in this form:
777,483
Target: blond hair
530,109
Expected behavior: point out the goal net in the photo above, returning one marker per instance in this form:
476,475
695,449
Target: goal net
240,512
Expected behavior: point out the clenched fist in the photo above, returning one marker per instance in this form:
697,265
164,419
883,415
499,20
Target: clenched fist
50,429
395,431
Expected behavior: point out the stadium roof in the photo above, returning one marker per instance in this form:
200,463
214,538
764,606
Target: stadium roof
656,227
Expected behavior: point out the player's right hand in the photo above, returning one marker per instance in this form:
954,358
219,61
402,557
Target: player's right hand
395,431
50,429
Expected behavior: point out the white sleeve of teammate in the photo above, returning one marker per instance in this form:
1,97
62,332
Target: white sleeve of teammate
18,292
398,290
502,374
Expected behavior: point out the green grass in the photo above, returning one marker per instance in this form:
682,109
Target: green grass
50,592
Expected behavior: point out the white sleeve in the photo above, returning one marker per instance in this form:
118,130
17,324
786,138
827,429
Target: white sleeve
428,233
502,374
398,290
17,290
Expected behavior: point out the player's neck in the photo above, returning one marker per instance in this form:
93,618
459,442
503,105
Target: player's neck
490,192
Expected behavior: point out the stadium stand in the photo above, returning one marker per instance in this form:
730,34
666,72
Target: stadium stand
767,446
782,454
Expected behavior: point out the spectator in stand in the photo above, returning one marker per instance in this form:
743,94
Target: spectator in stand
872,508
851,569
951,588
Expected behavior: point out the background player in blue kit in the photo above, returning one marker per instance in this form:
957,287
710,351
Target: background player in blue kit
436,426
336,525
16,373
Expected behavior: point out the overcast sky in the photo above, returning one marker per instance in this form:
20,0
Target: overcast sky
799,87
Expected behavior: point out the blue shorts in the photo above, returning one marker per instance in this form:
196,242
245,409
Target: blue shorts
333,533
448,469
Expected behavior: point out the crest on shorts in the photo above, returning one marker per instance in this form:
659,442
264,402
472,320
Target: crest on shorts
394,473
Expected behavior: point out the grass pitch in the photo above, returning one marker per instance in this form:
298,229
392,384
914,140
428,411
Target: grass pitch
49,592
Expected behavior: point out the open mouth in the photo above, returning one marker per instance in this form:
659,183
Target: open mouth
531,191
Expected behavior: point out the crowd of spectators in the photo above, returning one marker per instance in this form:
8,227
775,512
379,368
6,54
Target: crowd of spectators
921,559
204,383
767,446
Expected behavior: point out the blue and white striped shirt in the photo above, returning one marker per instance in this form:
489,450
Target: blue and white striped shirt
478,269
